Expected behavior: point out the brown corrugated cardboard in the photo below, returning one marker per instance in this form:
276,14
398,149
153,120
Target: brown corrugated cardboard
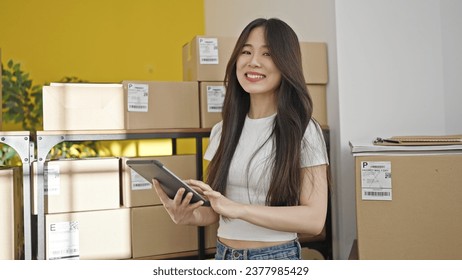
161,104
205,59
154,233
92,235
11,217
314,62
79,185
138,192
210,233
212,95
83,107
416,212
318,96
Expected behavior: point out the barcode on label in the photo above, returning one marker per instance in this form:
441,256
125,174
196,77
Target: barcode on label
65,251
215,107
137,106
377,194
73,257
141,184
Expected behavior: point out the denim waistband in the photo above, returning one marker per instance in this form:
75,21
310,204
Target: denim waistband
290,250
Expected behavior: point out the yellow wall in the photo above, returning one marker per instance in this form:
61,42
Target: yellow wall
100,41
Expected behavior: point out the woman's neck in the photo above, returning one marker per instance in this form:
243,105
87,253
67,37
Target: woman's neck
261,107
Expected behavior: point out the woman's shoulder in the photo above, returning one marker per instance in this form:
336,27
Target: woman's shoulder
215,136
313,129
216,129
314,148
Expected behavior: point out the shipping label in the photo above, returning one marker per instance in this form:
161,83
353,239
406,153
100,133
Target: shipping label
376,180
137,97
63,241
215,98
52,182
138,182
208,50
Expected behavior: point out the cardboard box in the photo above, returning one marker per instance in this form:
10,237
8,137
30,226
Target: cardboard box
91,235
408,203
211,236
11,217
161,104
205,59
154,233
212,95
83,107
318,96
314,62
136,191
79,185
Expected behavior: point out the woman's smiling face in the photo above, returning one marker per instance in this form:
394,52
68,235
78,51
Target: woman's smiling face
255,69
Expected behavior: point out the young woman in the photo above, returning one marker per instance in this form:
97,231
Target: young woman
267,177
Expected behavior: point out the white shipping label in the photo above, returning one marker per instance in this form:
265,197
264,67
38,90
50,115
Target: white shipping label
137,97
376,180
63,241
52,180
208,50
215,98
138,182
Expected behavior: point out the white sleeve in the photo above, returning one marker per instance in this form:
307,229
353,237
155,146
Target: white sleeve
214,141
314,151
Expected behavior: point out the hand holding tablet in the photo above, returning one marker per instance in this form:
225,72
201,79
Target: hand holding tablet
170,183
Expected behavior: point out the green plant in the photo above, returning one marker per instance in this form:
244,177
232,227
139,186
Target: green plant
22,101
72,79
74,150
8,156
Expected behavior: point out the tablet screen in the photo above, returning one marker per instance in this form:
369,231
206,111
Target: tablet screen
153,169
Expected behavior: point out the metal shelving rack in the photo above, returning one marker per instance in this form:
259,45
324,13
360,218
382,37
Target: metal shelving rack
46,140
21,142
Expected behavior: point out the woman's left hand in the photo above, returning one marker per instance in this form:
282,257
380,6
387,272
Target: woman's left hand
220,204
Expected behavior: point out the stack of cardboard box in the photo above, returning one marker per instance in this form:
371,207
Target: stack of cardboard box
204,62
83,217
83,193
154,235
98,208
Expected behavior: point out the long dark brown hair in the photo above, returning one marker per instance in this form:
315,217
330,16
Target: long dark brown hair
294,111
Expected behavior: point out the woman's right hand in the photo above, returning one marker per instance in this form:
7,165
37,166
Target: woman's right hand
181,211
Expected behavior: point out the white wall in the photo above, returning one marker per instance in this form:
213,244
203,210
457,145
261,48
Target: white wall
451,19
307,17
394,68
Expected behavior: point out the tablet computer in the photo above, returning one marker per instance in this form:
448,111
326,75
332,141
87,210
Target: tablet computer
153,169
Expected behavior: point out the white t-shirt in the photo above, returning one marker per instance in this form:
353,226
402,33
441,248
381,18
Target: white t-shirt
250,184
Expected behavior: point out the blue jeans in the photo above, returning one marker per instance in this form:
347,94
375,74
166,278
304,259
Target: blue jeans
287,251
